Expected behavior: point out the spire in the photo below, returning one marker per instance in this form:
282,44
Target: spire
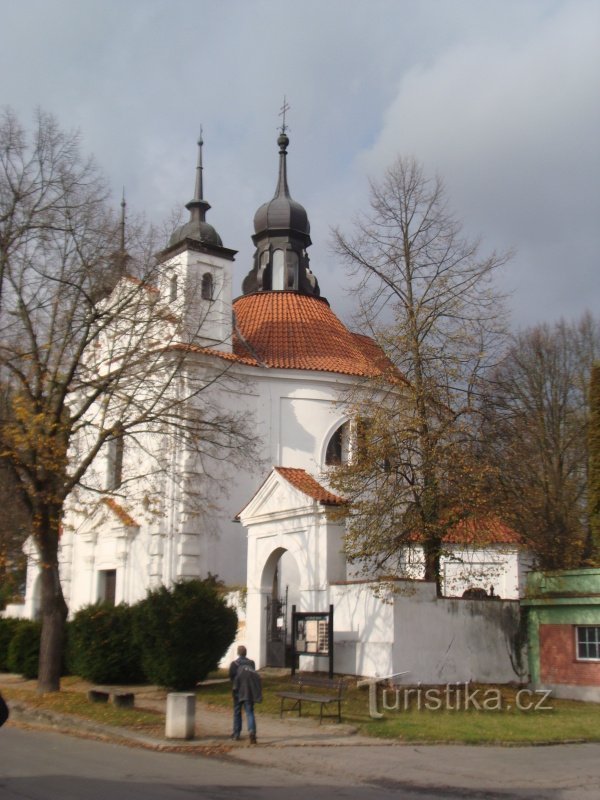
283,141
197,229
116,267
282,235
198,206
123,206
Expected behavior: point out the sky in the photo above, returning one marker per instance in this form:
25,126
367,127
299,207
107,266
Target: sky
501,98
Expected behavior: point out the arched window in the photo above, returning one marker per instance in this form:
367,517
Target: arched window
337,447
292,270
278,273
173,289
207,286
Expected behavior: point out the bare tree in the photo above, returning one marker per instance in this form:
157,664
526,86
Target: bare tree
592,554
89,356
418,472
538,436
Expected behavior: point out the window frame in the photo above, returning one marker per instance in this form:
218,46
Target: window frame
587,643
341,433
207,287
173,288
107,586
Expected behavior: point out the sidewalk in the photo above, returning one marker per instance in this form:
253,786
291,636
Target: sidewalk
213,725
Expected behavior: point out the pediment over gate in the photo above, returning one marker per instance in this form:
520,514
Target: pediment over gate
286,492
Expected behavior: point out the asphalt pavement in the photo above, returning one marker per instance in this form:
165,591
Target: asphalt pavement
332,751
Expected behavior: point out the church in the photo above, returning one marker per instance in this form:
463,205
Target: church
267,529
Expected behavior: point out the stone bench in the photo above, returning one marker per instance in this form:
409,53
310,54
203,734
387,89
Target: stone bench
104,694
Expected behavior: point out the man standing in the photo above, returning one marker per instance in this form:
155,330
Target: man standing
247,690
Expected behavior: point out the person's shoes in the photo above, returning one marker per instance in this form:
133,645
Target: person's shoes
235,737
252,738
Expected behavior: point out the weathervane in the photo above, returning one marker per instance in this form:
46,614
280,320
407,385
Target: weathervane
284,108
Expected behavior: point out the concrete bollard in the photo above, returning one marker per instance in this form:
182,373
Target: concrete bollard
181,715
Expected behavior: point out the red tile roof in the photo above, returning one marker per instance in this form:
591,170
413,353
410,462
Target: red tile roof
294,331
482,531
300,479
120,512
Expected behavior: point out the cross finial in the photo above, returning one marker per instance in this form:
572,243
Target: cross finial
284,108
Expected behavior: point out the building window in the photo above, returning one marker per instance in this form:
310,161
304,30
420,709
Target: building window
292,270
107,586
207,286
116,449
588,642
173,289
337,447
278,274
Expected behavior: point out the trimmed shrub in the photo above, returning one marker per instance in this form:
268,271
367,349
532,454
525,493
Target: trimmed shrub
24,649
8,628
101,647
183,633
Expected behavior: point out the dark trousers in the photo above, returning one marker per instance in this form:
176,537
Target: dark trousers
248,707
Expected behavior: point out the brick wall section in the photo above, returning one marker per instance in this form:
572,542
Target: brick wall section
558,662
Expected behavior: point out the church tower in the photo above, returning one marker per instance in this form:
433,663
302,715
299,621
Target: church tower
281,236
197,272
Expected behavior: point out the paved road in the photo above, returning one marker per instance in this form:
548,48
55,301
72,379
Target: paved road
42,765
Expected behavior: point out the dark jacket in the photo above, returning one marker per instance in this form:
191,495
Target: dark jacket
241,661
245,681
3,711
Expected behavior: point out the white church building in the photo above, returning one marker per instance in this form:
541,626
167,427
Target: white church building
268,532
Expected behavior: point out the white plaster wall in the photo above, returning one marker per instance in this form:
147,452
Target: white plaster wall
502,567
446,640
437,641
363,631
207,323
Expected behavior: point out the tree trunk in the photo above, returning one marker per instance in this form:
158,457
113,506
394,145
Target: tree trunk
432,566
54,609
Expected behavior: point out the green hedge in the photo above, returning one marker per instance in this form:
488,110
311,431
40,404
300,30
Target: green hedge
24,649
8,628
101,648
173,638
183,633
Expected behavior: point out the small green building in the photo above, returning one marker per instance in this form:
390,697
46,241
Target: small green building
563,629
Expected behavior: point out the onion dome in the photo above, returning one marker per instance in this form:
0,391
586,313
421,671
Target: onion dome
281,236
282,213
197,229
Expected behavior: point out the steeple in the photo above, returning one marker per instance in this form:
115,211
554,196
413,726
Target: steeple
197,229
122,230
281,236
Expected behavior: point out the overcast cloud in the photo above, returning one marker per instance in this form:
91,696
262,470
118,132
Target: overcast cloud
499,97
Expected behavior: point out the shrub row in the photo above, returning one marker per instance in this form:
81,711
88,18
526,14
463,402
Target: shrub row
20,646
172,638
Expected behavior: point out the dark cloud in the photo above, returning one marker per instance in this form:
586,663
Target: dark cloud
500,97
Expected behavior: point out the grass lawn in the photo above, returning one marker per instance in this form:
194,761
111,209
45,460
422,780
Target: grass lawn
501,722
72,700
407,720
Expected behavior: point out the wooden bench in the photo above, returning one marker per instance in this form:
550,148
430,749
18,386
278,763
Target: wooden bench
309,688
102,694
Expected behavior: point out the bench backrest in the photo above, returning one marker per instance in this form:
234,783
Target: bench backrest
310,681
